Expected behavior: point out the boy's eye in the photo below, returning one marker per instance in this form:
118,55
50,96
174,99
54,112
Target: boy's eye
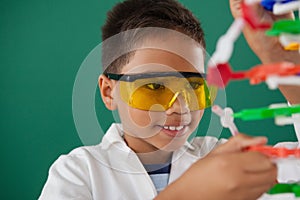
194,85
155,86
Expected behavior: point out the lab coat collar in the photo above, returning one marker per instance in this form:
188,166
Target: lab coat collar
114,135
113,142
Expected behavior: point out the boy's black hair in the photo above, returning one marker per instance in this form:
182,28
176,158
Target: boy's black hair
133,14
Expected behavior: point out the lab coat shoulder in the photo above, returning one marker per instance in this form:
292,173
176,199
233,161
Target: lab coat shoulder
105,171
68,177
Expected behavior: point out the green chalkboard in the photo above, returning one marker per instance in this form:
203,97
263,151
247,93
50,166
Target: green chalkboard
42,46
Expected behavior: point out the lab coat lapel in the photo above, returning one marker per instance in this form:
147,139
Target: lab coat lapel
182,159
127,163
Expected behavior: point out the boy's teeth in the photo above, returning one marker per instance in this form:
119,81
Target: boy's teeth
179,128
173,128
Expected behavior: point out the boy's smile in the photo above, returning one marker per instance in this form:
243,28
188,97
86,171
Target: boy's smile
174,131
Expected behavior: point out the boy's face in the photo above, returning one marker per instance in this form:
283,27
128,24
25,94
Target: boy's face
148,131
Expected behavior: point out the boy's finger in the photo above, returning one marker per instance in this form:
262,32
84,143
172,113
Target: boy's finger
235,7
257,191
238,143
241,141
255,162
258,179
236,10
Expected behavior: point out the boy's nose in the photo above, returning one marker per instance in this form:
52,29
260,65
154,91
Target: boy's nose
177,105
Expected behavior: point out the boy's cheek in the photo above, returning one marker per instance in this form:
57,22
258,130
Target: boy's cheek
132,116
149,120
140,118
196,118
139,122
197,115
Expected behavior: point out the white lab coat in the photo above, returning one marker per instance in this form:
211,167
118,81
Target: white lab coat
111,170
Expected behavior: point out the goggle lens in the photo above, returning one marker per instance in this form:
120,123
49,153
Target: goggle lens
159,91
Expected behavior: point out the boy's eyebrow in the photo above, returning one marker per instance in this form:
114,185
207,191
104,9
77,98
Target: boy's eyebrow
133,77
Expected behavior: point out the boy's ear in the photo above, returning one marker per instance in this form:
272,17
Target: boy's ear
106,87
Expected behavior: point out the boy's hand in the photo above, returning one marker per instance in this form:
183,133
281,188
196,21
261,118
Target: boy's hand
227,173
243,175
268,49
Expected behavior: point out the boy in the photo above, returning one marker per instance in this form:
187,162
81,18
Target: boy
160,94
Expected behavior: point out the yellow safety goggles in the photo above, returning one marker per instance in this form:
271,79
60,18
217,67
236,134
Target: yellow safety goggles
157,91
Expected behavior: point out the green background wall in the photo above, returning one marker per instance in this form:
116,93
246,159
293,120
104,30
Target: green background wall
42,45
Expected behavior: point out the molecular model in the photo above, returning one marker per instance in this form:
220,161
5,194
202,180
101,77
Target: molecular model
220,73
